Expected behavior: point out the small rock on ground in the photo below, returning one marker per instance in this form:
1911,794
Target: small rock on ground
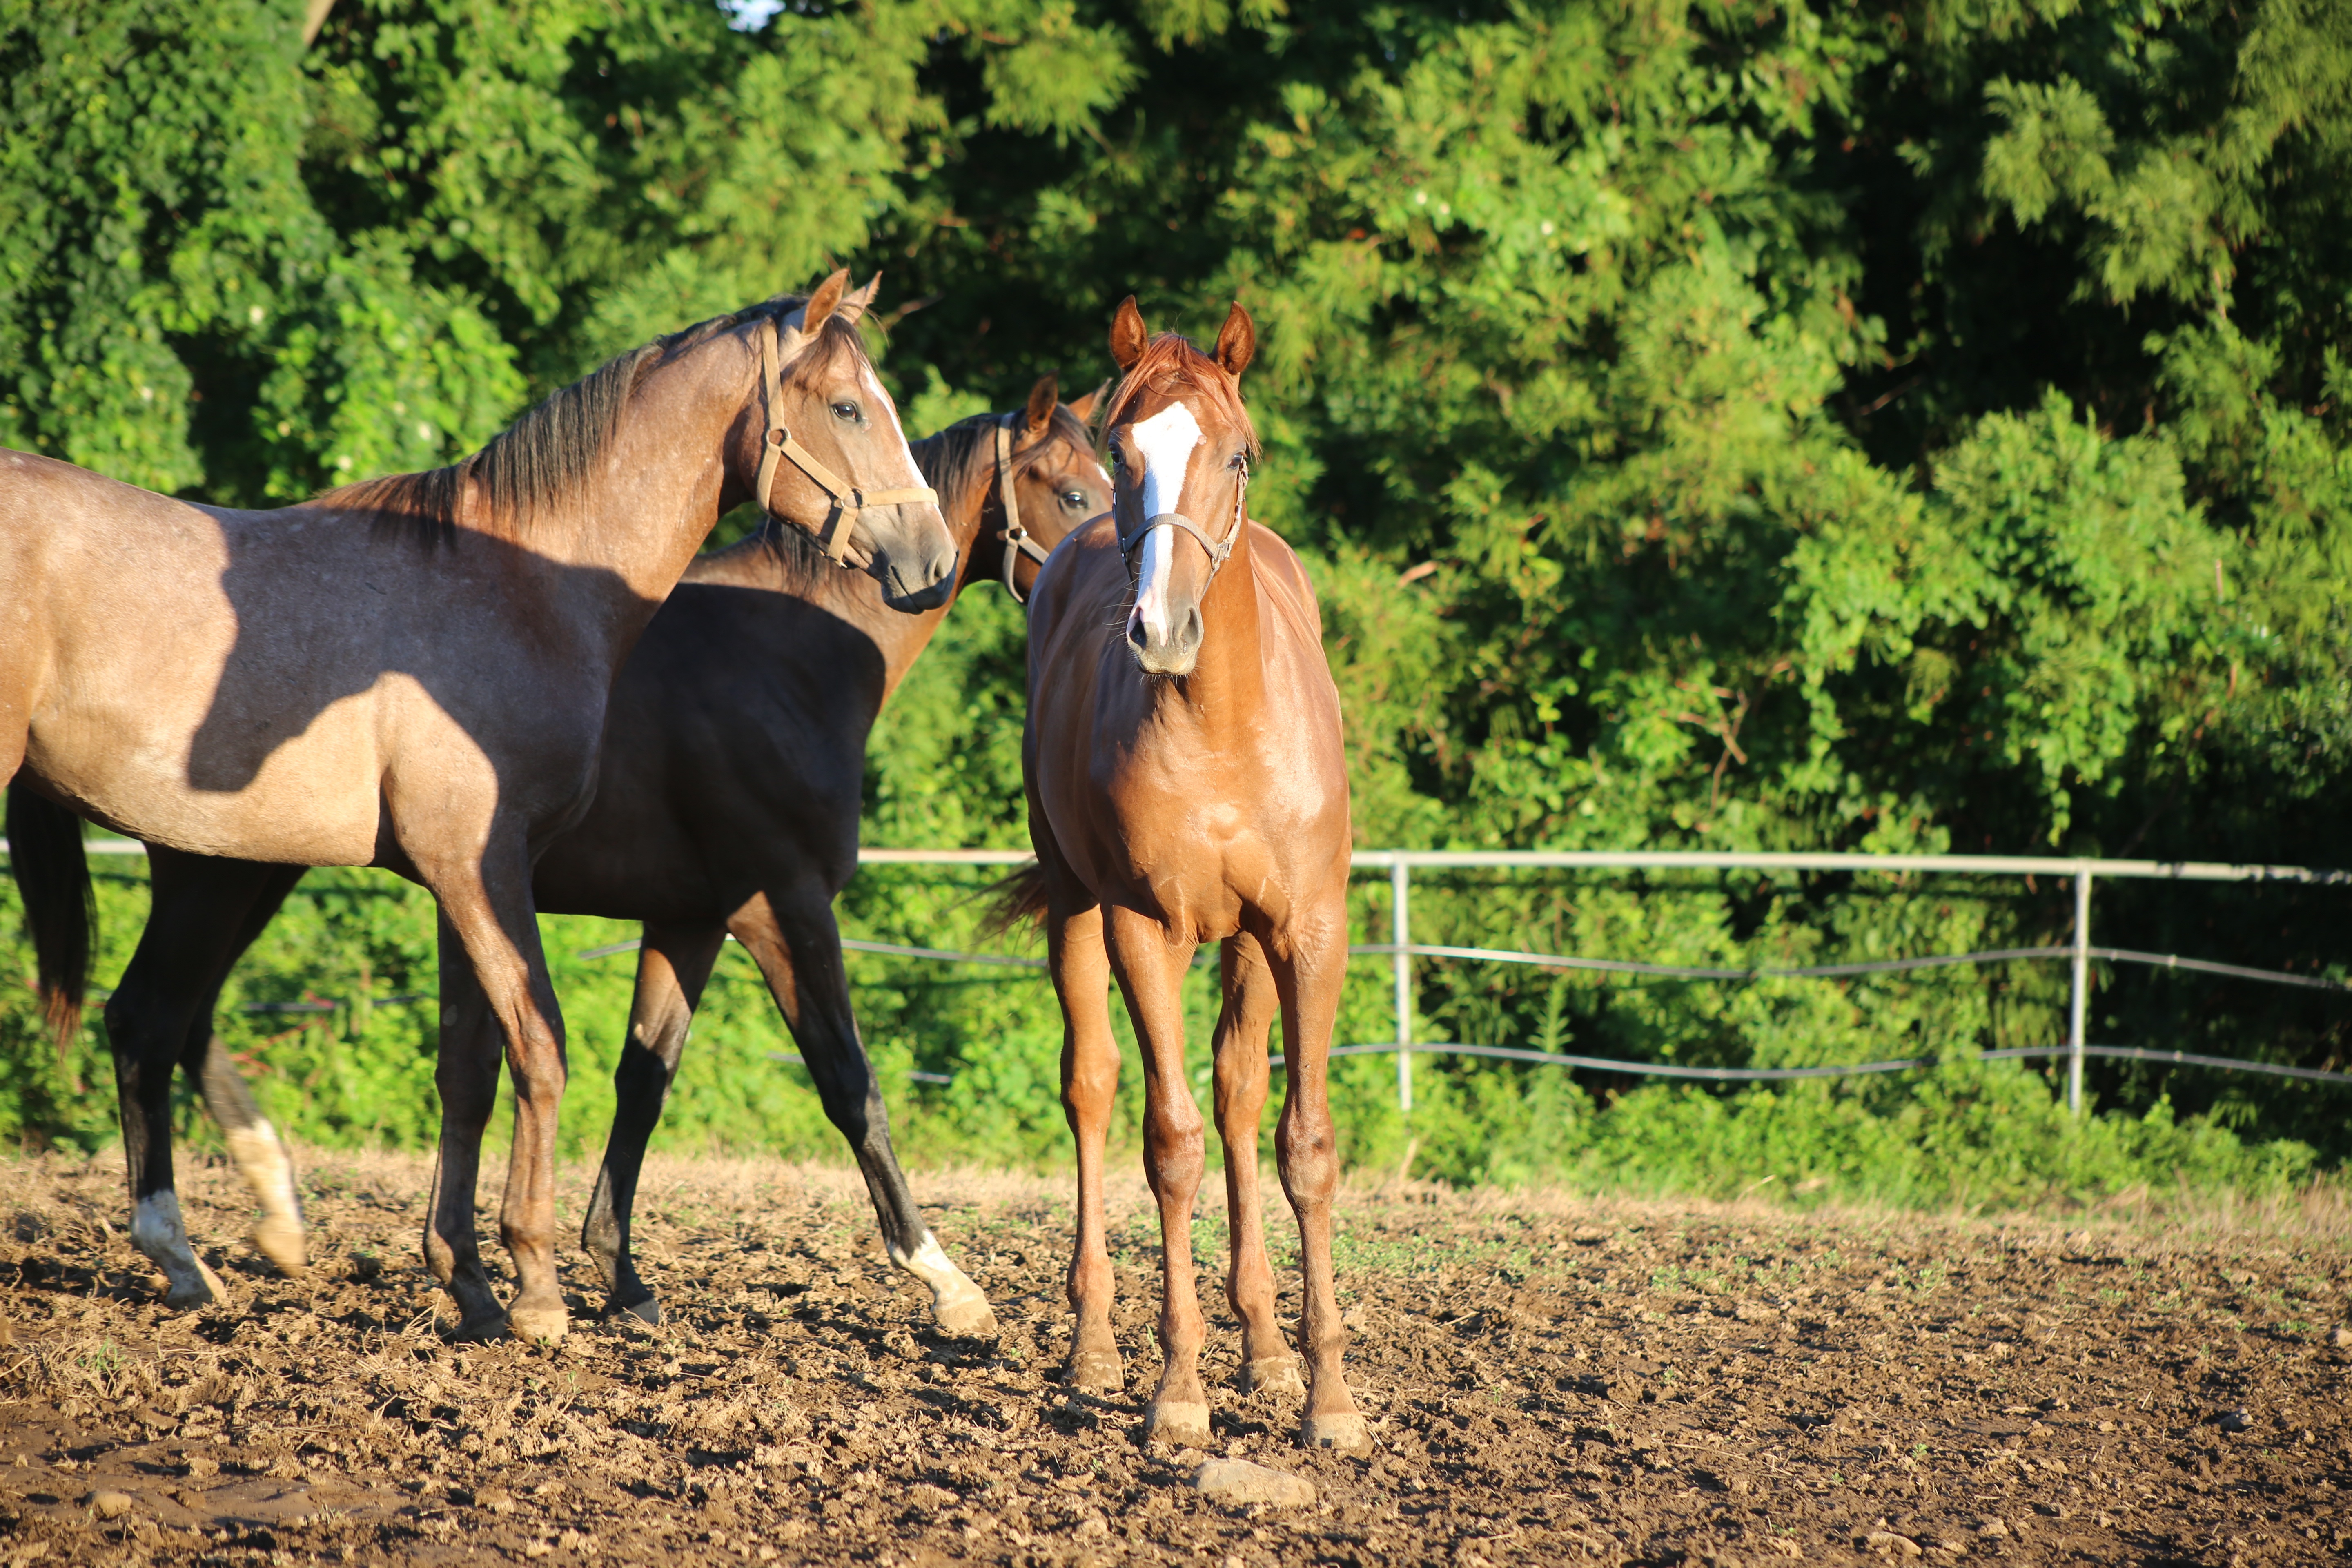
111,1505
1238,1481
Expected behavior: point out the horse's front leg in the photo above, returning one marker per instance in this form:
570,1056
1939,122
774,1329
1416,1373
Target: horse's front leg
1307,1147
487,905
1250,1004
1152,976
1081,972
792,936
673,965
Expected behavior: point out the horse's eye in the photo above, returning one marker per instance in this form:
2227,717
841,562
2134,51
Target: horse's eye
1118,458
845,410
1075,500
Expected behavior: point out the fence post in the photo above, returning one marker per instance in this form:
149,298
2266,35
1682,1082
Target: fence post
1401,934
2081,996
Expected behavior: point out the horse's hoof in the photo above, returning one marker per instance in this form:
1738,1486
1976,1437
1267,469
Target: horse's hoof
474,1328
204,1289
1346,1432
542,1325
1096,1372
646,1310
1181,1423
1272,1375
279,1239
964,1313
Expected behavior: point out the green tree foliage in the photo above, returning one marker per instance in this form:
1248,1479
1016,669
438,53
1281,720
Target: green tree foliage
1730,427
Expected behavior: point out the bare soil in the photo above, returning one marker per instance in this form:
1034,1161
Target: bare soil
1552,1380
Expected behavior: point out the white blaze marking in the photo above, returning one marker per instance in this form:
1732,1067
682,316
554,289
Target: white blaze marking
1166,442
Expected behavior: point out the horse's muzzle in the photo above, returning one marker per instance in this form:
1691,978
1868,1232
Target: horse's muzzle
1168,652
916,565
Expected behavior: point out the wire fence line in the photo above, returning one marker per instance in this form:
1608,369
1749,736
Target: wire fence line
1400,951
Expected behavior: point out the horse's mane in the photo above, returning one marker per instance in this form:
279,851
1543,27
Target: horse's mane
964,454
1171,363
548,456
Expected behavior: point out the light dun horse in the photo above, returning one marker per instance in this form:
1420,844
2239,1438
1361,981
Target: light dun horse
408,672
1186,784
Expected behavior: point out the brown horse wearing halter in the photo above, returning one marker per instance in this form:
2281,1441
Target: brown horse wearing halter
1187,783
408,672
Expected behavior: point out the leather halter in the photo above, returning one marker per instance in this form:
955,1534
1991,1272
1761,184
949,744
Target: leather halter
1015,537
848,501
1219,550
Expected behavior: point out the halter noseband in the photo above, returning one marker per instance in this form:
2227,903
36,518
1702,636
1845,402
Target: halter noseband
1015,537
848,501
1219,550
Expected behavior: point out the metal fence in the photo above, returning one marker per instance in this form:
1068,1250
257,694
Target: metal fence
1401,949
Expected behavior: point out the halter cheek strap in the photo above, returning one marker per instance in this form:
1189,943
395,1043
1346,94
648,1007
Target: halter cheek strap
1016,538
849,502
1219,550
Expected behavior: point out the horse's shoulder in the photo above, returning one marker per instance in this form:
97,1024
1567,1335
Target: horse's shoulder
1283,573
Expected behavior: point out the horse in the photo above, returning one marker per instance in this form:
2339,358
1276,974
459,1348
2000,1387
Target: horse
408,672
733,764
1187,783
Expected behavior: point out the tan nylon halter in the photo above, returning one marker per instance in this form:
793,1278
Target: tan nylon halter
1015,537
848,501
1219,550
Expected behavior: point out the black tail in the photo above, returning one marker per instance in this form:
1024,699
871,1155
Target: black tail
60,906
1016,900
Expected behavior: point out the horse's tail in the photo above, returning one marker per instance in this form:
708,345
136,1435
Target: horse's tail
1014,901
60,907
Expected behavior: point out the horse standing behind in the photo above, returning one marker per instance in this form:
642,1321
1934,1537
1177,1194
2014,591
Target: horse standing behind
1187,783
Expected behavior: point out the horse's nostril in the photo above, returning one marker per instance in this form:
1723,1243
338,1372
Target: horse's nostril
1135,632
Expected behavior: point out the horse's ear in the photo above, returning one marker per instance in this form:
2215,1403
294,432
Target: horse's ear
825,301
857,302
1236,341
1042,399
1127,335
1084,406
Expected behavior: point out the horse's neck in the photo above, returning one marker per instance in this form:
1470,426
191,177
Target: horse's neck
1225,694
855,597
660,481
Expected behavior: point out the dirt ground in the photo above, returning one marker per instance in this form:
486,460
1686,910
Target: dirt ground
1552,1380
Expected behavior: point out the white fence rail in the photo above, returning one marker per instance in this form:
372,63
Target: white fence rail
1401,949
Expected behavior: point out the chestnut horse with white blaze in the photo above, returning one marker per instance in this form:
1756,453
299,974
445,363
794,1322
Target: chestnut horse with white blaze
409,672
1187,783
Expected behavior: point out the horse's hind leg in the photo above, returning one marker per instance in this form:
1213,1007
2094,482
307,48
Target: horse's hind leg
1307,1150
1081,973
197,915
1151,974
792,938
1250,1003
260,1155
673,965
